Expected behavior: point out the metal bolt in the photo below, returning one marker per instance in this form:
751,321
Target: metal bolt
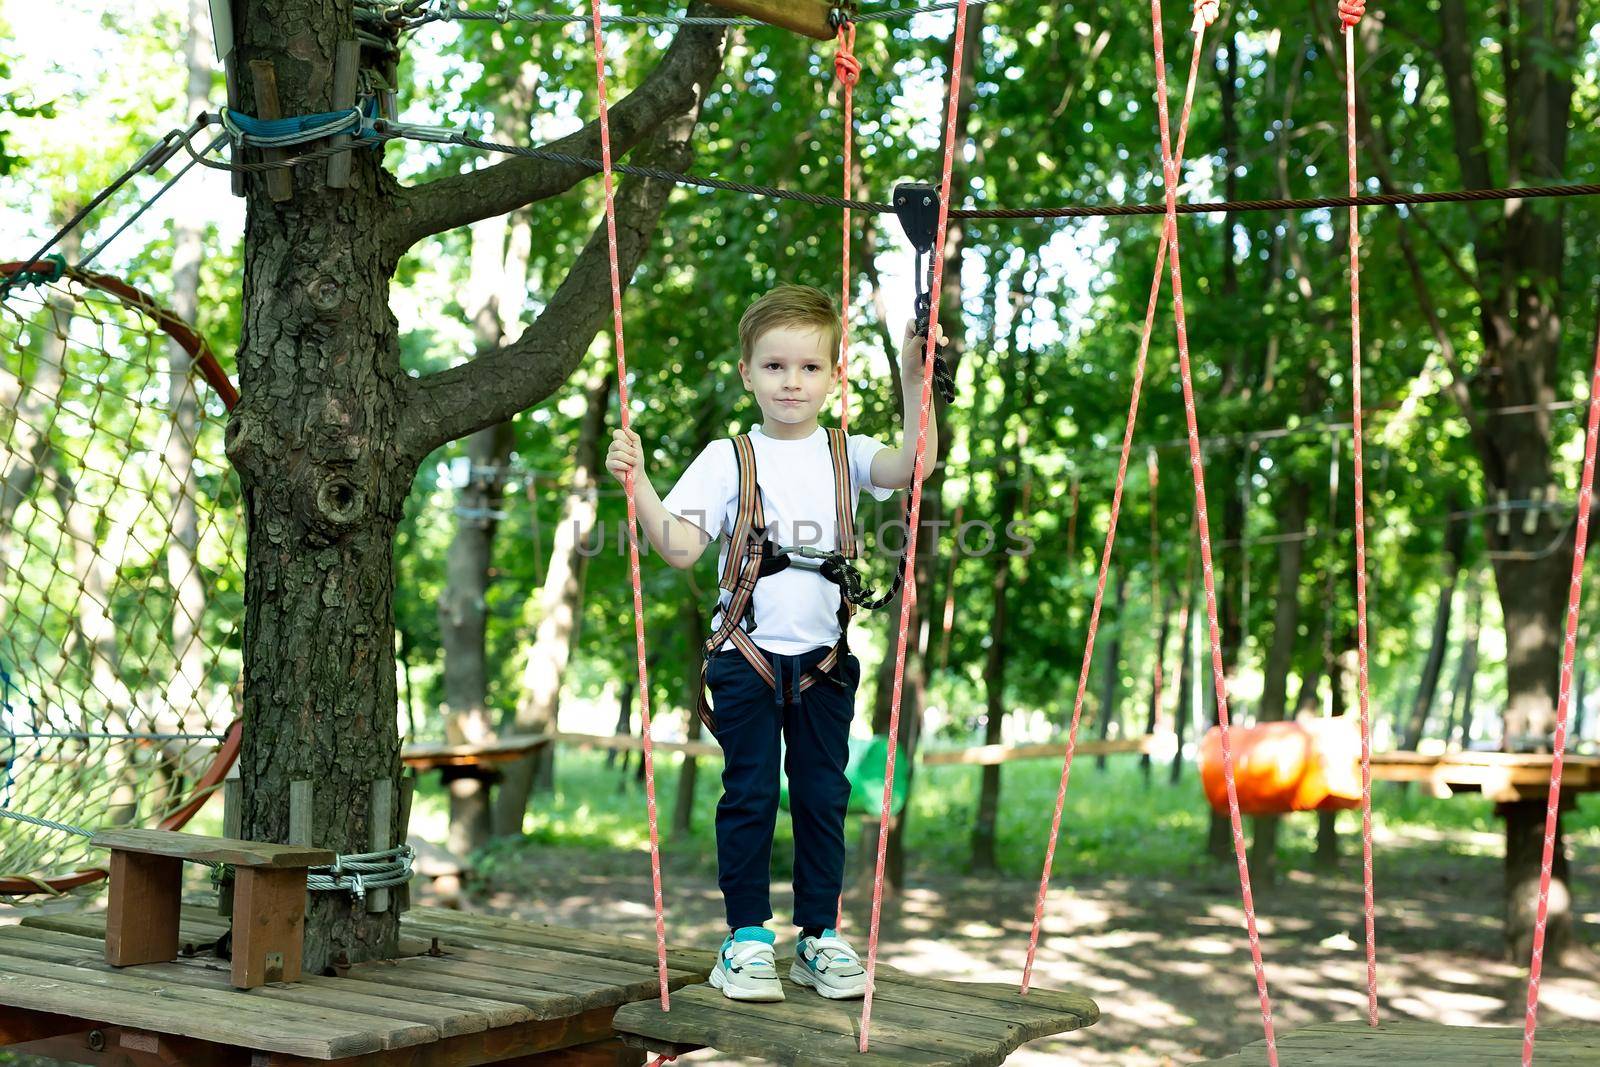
97,1040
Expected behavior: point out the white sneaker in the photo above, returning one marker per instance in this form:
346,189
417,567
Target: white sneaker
830,966
745,967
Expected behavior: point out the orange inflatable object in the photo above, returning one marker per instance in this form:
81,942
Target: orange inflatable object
1279,767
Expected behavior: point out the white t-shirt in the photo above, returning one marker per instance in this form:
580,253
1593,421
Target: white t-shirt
796,609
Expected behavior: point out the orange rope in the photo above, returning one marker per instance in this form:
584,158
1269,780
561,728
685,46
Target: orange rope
1350,12
633,513
1205,11
1203,522
847,70
908,598
1563,708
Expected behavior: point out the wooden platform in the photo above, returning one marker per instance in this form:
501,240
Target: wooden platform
1402,1043
468,990
1504,777
914,1021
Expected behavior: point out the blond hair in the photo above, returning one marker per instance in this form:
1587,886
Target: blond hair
790,305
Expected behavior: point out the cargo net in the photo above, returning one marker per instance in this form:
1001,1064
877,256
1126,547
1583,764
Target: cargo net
121,579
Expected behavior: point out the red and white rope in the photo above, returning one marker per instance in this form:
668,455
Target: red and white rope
908,597
847,70
1350,12
1200,24
1563,707
633,513
1197,468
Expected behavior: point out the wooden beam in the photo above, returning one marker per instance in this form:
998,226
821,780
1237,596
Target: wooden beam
989,755
346,64
196,849
806,17
280,183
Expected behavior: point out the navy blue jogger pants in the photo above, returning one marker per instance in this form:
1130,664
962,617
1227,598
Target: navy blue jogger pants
750,718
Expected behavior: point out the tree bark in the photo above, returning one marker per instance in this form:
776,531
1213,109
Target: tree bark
1519,255
331,431
496,283
1293,511
1428,684
1111,681
183,568
559,608
1466,670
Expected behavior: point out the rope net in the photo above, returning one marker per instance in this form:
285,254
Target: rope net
121,576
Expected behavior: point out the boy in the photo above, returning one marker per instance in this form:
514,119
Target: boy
781,668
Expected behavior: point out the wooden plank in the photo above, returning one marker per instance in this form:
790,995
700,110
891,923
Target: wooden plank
142,915
736,1034
495,1012
212,974
302,812
635,984
806,17
627,742
542,1005
269,910
232,799
1354,1044
346,67
380,810
211,987
584,993
991,755
500,750
126,1000
462,939
1046,1000
196,848
280,183
408,786
440,922
805,1008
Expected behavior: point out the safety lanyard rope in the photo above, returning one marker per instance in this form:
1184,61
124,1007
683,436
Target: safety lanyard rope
1203,521
847,70
1205,14
1350,12
633,513
909,597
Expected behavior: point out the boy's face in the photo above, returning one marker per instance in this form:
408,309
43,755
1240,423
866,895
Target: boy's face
791,372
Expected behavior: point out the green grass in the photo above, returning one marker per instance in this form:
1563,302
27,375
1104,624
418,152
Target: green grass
1113,824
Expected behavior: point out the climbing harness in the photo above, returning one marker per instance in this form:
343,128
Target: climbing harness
752,555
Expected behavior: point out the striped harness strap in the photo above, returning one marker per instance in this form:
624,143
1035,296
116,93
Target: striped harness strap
751,554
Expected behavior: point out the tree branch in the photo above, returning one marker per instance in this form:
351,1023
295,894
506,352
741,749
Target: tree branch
502,382
671,89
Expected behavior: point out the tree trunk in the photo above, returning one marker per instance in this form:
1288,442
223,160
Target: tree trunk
994,665
331,430
183,568
1467,669
1293,509
1340,670
495,287
1519,257
1455,547
1187,707
559,609
694,624
1111,681
1152,720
